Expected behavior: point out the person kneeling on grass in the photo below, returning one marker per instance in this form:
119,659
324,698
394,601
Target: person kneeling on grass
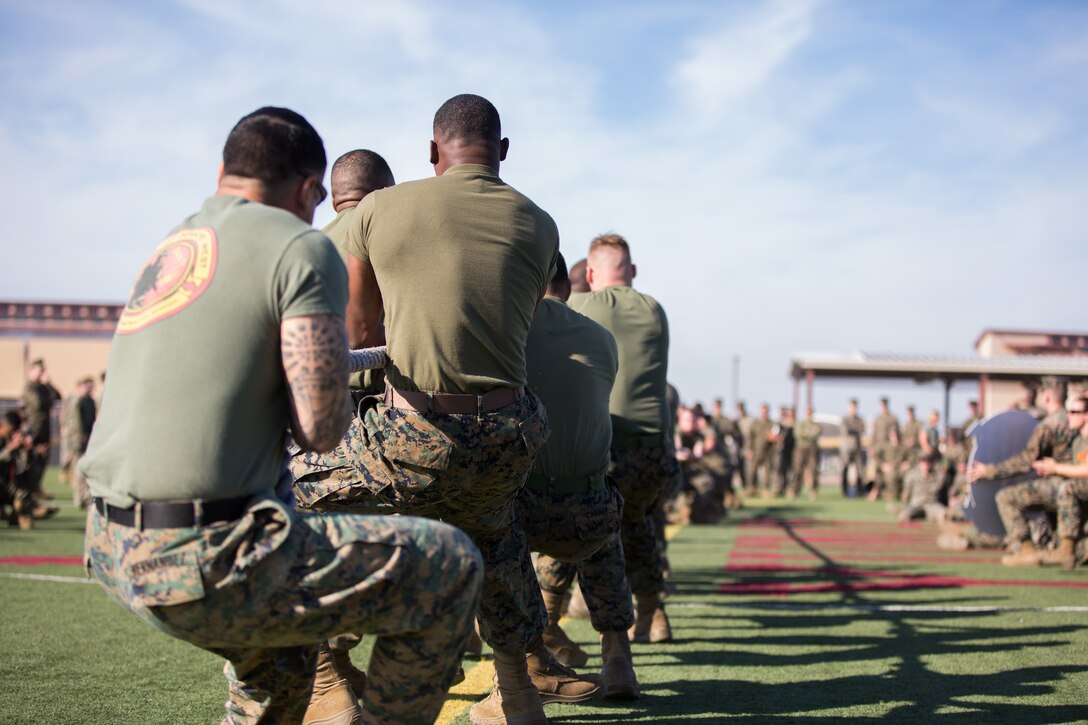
1072,492
233,334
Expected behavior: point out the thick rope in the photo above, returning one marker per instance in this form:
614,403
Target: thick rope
368,358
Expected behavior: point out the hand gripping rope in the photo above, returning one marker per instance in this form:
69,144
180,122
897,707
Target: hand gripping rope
368,358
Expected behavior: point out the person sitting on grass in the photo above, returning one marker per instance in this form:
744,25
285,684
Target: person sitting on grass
922,486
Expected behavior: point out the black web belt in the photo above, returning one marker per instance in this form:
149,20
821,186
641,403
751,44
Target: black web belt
173,514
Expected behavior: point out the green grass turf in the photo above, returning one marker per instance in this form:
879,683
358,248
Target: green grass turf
71,655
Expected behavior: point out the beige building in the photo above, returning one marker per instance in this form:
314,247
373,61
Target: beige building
72,338
998,394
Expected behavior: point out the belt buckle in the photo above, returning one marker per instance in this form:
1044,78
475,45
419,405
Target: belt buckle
198,513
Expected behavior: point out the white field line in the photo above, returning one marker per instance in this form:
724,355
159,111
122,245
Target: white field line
870,607
47,578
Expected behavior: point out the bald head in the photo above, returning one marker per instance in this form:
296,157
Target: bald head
356,174
609,263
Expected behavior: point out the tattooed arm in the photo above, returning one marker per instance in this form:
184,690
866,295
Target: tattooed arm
315,361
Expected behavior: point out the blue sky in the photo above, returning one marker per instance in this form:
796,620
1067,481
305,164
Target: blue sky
792,176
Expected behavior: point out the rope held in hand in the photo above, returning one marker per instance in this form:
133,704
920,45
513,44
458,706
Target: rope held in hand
369,358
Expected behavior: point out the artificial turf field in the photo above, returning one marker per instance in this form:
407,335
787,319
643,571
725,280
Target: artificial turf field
803,612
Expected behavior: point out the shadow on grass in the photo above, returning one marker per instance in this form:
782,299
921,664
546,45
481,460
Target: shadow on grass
748,633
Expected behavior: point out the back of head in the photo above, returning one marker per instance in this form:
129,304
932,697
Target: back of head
609,262
273,146
1056,387
467,117
358,173
578,276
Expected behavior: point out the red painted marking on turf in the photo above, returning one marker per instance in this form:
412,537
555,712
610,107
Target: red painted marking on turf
824,524
979,558
920,582
41,560
890,539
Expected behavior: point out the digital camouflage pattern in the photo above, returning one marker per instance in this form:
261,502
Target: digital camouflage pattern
1040,493
642,475
1051,438
603,580
806,455
265,590
1072,498
580,534
462,469
910,448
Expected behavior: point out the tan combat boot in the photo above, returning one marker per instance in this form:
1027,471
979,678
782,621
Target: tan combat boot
651,622
556,682
332,702
1065,554
514,700
555,639
1027,556
618,673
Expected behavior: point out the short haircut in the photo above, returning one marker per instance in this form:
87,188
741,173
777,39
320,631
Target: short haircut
610,241
360,170
468,117
853,401
910,408
85,380
1056,385
13,418
560,277
273,145
578,276
884,401
37,363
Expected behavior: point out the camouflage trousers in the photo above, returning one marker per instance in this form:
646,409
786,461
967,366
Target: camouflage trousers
642,475
1013,501
465,470
1072,498
263,591
806,468
852,457
81,494
580,534
763,469
886,476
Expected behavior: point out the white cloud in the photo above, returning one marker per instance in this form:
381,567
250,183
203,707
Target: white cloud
759,236
733,61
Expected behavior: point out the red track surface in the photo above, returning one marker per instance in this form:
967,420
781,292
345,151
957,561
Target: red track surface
42,560
821,552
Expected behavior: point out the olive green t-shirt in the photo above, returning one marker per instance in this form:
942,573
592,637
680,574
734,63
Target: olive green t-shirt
336,230
638,402
461,260
572,365
196,403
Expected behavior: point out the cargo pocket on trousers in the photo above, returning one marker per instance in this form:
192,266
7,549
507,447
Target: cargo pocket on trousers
165,580
535,430
412,457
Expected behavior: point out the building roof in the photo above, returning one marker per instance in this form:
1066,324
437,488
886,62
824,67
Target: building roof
75,319
1055,337
924,367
